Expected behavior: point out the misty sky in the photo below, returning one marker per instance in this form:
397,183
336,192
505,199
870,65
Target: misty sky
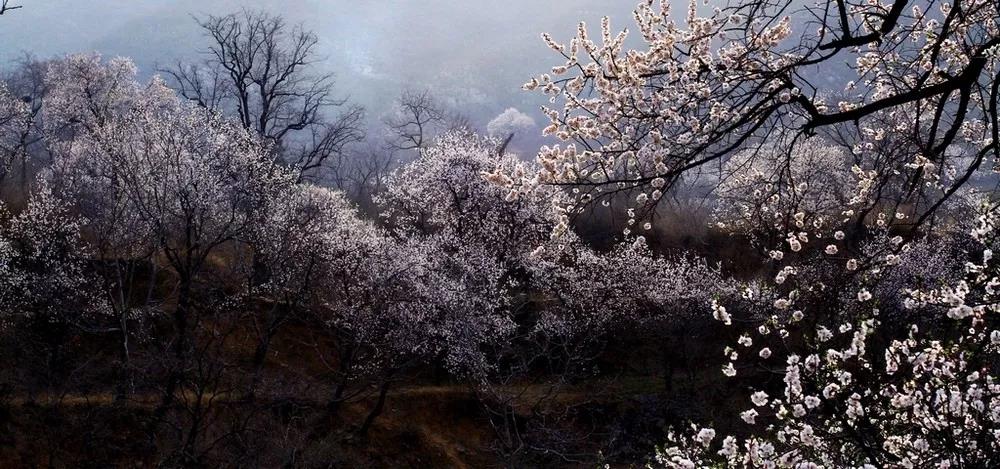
473,54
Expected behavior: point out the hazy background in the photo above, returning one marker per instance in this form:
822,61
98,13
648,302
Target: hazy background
473,55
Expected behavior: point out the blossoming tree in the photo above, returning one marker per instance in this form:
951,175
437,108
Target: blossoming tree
712,83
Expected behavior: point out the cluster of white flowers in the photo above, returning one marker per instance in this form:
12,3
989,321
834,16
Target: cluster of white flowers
14,125
154,174
591,292
859,389
608,93
769,193
709,85
43,274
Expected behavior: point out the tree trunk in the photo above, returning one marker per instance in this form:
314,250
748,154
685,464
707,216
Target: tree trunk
177,369
379,406
346,357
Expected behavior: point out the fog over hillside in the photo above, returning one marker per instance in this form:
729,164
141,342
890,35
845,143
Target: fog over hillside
376,49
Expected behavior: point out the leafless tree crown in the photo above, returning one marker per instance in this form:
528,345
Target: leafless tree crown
263,71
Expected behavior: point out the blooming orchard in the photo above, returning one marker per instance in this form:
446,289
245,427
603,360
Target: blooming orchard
882,363
852,290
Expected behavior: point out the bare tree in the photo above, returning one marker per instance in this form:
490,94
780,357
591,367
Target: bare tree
6,6
262,71
368,174
414,121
